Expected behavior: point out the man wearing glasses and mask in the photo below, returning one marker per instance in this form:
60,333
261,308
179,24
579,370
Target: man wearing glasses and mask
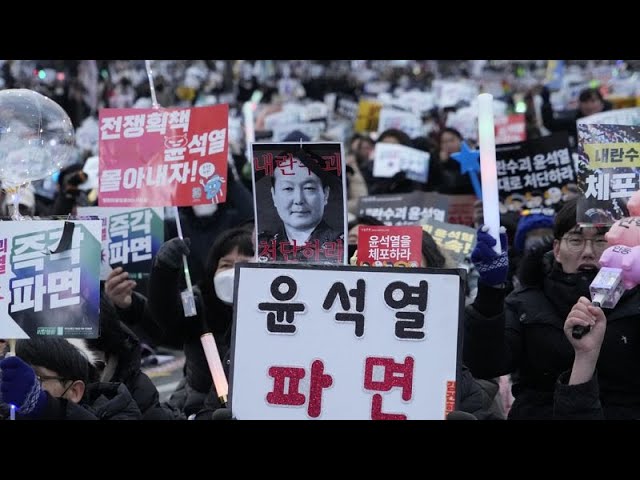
48,379
523,334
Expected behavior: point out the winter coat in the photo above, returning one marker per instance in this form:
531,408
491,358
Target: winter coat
526,337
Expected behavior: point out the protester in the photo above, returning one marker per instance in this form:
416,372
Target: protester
524,334
213,302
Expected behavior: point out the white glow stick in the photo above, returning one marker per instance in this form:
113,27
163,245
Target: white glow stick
488,170
249,128
215,366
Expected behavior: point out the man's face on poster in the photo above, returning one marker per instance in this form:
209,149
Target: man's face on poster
298,196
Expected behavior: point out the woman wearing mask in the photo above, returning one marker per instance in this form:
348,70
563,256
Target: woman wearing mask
213,301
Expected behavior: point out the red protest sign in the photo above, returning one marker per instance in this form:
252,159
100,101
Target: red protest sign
399,246
510,129
163,157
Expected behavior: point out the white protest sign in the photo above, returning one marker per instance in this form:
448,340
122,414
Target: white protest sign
391,158
314,111
280,118
338,343
450,93
416,101
347,108
407,122
465,120
373,88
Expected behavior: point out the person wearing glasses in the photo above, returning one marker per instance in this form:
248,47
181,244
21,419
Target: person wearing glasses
523,335
52,379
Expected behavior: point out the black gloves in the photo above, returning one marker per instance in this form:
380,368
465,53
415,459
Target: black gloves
170,253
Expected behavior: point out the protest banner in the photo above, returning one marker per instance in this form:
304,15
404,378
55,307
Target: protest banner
405,208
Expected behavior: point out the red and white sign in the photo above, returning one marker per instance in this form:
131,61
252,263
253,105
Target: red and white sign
384,246
163,157
510,129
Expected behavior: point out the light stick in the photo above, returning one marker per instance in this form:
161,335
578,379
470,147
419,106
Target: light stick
488,170
215,366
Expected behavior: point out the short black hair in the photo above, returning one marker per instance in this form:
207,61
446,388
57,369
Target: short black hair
589,94
565,219
364,220
431,252
451,130
399,135
56,354
311,161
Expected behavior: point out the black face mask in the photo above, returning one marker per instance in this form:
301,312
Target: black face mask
351,249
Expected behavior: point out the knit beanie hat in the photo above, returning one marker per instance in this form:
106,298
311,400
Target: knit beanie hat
531,220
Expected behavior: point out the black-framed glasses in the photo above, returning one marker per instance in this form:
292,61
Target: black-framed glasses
576,243
44,378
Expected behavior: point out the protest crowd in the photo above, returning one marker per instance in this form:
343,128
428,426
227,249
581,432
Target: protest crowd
314,238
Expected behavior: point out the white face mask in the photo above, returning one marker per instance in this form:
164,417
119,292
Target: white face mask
223,283
205,210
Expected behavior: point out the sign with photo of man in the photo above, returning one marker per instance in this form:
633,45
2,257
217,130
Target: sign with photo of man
300,202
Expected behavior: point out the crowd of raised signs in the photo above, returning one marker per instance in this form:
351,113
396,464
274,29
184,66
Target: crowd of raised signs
405,127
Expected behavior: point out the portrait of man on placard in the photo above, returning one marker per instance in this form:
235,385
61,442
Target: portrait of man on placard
299,202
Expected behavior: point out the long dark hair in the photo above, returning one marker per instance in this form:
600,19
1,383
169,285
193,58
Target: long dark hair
431,252
218,314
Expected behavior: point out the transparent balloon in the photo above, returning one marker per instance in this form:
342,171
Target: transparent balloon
36,137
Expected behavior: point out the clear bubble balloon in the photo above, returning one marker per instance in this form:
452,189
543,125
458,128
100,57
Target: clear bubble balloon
36,137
